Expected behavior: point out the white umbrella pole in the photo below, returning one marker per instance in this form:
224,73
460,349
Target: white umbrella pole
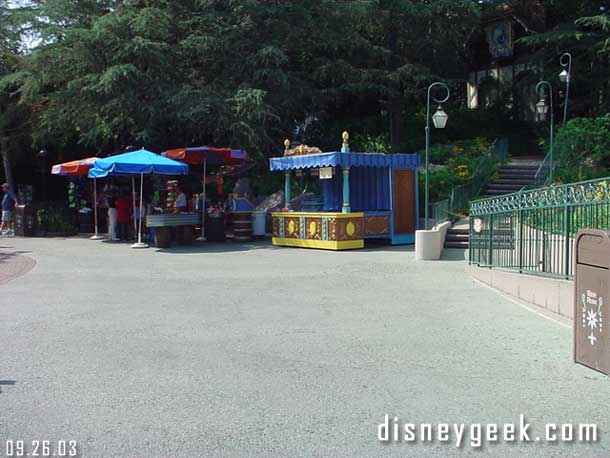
140,244
133,196
205,162
95,236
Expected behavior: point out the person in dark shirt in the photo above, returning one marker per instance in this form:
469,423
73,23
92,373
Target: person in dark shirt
9,200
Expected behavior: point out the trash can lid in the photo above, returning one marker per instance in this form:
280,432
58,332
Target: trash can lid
593,248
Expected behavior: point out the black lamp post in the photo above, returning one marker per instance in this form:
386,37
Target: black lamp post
543,108
564,77
42,156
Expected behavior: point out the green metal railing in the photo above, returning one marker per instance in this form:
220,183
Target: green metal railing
543,173
439,212
533,231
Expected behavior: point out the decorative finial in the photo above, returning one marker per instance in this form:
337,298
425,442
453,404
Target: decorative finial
345,146
286,147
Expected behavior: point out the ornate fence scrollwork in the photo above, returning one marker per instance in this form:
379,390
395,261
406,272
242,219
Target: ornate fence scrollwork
532,231
592,191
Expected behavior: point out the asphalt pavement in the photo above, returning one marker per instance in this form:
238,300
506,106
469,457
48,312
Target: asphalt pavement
255,351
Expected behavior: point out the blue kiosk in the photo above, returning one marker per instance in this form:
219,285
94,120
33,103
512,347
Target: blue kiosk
364,196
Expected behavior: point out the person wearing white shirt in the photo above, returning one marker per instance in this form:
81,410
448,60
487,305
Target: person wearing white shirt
180,202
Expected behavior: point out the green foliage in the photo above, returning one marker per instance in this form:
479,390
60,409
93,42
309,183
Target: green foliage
456,164
578,27
371,144
583,149
56,219
110,73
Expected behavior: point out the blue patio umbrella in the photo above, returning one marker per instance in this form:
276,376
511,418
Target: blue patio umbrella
138,162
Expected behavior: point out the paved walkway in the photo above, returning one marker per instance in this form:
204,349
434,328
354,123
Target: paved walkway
255,351
13,265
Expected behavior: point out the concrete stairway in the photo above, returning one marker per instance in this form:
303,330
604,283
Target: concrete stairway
513,177
520,172
458,234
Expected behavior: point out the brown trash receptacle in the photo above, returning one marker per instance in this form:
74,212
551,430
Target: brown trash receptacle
242,226
163,237
184,235
24,220
591,299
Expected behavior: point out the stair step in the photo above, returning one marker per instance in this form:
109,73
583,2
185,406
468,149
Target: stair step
463,240
463,245
495,192
516,173
496,185
514,181
528,178
522,166
458,231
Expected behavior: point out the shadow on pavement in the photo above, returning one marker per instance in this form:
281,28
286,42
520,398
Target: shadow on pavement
6,383
217,247
454,254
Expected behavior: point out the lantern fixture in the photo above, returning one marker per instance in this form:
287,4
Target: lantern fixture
440,118
542,108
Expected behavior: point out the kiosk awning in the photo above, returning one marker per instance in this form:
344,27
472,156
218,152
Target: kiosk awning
337,159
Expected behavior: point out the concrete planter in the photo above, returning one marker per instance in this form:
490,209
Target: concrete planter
429,244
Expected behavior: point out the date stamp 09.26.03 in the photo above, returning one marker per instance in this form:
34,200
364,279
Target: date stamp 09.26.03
39,448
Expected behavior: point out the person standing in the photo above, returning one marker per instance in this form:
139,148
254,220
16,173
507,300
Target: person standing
9,200
123,215
180,202
112,223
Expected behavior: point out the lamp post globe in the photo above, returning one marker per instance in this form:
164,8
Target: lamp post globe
440,118
564,76
542,108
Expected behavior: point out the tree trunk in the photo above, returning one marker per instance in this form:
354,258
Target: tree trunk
395,112
6,163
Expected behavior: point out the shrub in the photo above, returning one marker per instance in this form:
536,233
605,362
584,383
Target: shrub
583,149
55,218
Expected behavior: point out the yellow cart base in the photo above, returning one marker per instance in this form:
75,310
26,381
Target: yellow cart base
321,230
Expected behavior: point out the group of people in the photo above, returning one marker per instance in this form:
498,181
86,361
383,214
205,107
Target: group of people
122,213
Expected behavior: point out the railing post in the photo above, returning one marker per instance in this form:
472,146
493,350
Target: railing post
470,238
491,238
566,234
521,243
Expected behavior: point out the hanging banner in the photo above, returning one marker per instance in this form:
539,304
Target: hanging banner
500,39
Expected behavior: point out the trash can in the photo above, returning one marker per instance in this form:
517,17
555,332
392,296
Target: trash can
259,221
86,222
591,299
242,226
24,220
215,228
163,237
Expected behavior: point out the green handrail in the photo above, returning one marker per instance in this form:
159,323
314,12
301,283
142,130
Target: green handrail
532,231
